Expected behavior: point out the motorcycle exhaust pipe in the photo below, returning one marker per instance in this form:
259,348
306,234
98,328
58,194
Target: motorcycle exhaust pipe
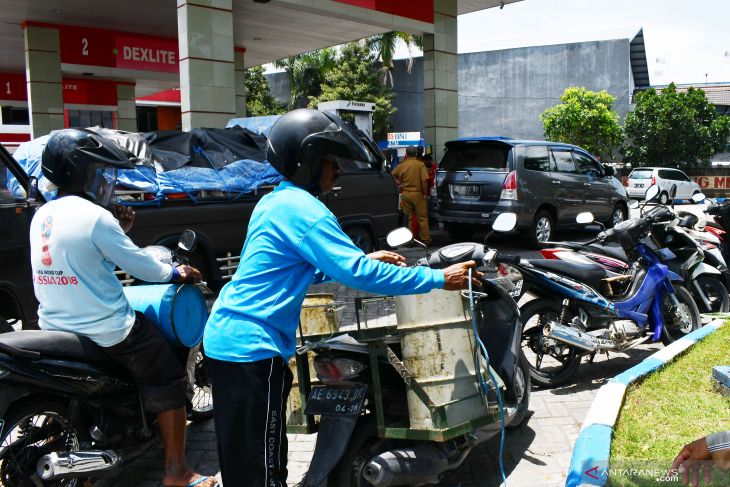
571,336
57,465
417,465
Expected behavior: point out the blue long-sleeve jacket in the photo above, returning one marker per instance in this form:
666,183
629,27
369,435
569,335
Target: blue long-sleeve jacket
293,239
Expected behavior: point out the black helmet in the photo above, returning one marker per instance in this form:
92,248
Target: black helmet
299,139
82,162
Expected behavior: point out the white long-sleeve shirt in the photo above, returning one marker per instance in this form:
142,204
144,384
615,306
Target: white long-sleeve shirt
75,246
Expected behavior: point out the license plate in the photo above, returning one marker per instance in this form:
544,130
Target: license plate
638,185
339,400
472,190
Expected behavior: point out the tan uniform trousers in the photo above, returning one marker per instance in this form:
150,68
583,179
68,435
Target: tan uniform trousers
416,204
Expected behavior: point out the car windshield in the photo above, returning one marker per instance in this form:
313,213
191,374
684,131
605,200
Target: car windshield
645,174
476,156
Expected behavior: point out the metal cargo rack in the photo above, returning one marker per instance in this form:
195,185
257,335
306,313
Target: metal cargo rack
377,341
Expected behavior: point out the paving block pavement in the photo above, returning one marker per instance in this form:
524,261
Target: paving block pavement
537,454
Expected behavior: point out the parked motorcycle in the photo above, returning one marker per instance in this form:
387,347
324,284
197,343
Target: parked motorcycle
570,318
693,257
390,415
68,413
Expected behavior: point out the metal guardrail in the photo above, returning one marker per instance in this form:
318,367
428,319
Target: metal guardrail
228,265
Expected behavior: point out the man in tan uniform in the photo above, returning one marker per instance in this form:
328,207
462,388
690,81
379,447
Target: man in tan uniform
412,177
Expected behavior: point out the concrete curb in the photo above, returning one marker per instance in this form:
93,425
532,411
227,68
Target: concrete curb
589,464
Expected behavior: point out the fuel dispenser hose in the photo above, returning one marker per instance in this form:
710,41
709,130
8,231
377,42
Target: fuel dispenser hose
482,383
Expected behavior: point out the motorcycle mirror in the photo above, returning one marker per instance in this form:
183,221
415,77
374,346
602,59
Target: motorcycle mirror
651,193
188,240
584,218
505,222
633,204
698,197
399,236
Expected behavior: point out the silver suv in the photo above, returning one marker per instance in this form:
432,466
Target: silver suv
546,184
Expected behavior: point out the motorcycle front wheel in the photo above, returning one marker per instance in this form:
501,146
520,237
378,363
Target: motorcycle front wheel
29,433
551,363
679,320
202,391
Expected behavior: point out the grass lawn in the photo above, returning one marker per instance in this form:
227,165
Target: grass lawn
671,408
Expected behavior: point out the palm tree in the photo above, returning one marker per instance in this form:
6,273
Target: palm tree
384,45
306,74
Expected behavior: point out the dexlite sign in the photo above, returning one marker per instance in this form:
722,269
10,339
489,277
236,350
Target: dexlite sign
113,49
146,54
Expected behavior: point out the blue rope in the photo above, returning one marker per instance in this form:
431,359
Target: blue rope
482,383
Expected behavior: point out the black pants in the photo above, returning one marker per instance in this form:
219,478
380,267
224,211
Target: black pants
250,421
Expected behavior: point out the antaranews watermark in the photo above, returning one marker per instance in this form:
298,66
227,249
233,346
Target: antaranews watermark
640,473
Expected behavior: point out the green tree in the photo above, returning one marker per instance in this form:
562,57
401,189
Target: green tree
306,73
584,118
384,47
356,78
674,129
259,100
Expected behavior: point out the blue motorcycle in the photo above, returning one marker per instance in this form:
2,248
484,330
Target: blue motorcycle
571,318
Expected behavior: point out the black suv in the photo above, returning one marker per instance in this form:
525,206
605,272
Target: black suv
546,184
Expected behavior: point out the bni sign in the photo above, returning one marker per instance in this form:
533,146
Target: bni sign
403,139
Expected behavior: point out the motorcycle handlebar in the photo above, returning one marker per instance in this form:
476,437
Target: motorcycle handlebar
507,259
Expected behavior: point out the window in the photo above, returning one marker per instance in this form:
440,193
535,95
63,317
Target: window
15,116
682,176
536,158
665,174
563,161
90,118
476,156
587,166
641,174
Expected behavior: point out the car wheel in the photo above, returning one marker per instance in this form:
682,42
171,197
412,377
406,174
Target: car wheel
542,228
361,238
459,233
617,216
663,198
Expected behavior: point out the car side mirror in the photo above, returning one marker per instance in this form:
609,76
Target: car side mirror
610,170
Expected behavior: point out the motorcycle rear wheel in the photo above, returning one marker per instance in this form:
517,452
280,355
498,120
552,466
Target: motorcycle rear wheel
682,320
715,292
523,385
364,444
30,432
562,360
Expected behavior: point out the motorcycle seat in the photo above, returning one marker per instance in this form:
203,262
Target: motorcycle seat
611,251
54,344
590,274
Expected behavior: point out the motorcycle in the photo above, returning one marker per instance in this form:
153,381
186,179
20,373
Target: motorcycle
383,423
570,318
695,258
68,414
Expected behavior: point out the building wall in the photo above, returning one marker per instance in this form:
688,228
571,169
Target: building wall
504,92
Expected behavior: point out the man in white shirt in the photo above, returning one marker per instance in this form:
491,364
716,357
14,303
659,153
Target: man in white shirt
76,243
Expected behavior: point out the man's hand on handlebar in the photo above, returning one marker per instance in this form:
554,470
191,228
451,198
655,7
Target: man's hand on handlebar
456,277
188,274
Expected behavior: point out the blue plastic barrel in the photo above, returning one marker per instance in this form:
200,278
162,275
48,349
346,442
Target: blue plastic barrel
178,310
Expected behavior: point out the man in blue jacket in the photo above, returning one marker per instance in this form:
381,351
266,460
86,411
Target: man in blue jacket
293,241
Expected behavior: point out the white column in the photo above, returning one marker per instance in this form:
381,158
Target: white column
207,77
43,77
126,107
440,78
